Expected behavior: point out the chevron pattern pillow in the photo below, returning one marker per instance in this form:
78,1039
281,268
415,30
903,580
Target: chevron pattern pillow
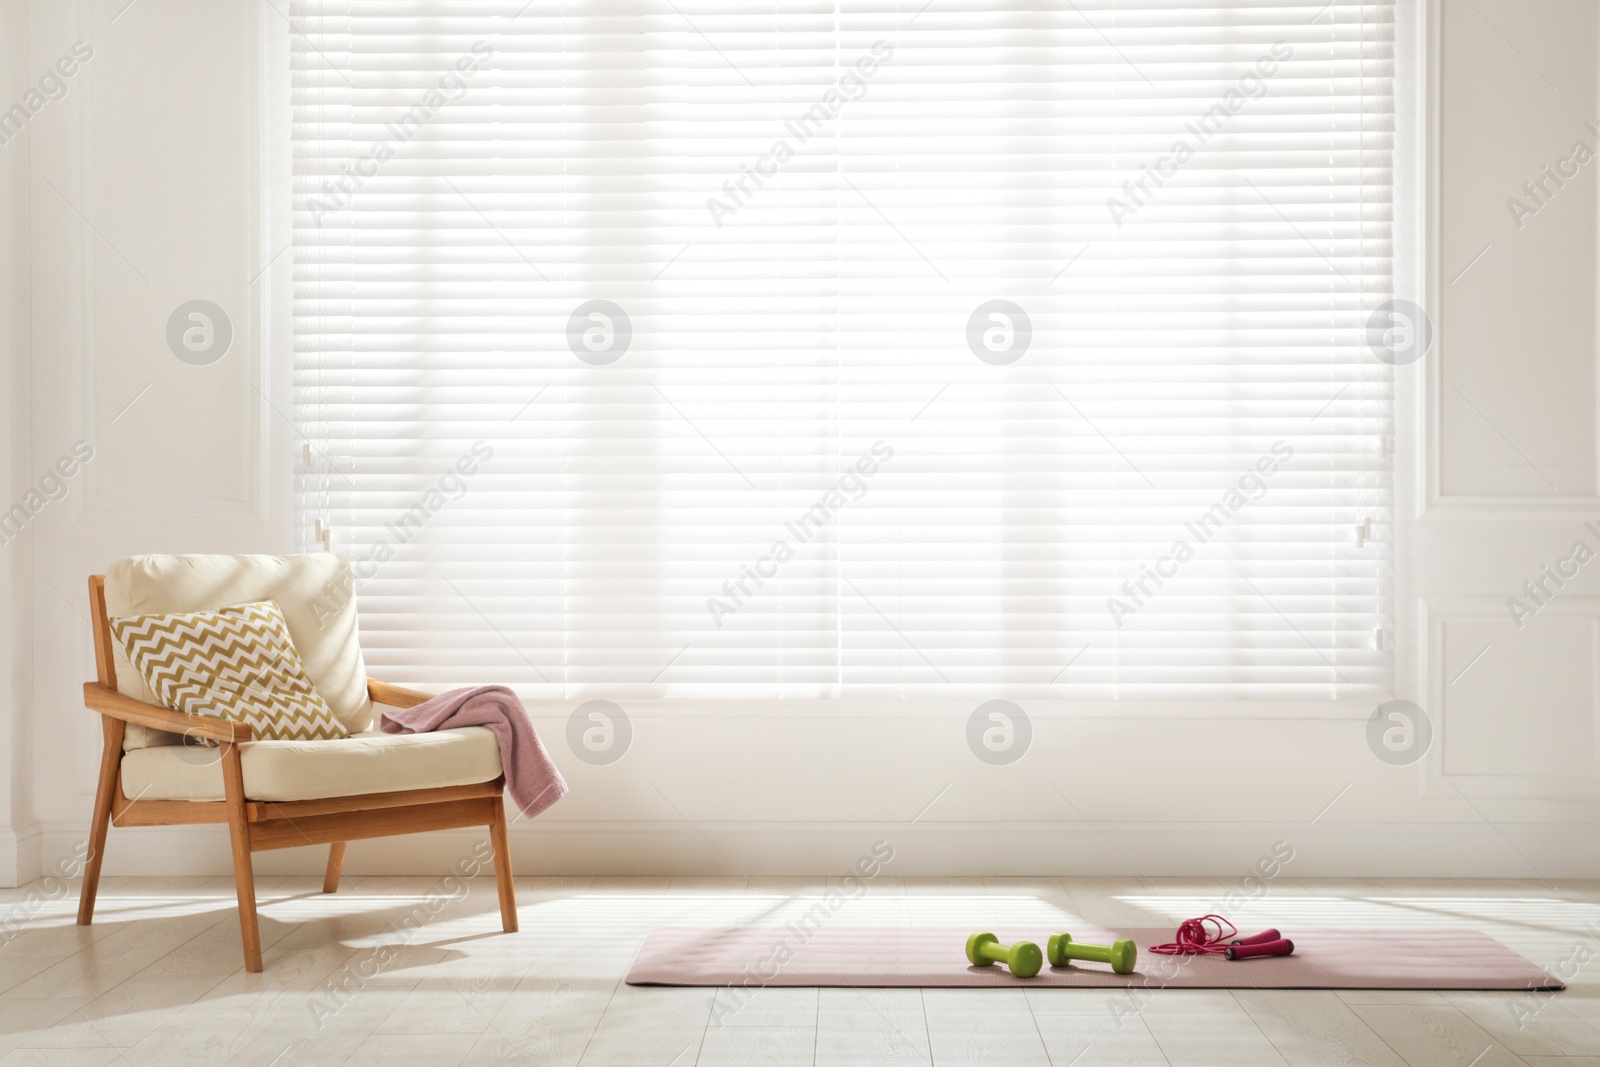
233,663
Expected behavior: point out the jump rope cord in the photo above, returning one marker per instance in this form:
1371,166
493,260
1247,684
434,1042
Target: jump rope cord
1196,937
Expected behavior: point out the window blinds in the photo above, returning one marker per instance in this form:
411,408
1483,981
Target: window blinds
694,350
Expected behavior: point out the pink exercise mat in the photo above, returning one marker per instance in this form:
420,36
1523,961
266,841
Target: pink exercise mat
923,956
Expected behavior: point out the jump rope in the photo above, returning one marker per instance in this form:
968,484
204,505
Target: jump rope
1212,935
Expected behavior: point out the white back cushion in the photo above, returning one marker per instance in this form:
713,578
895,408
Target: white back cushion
314,591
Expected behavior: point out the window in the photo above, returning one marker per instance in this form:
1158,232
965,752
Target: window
860,349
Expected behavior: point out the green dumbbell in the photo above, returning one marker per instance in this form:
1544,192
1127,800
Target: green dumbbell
1024,958
1120,954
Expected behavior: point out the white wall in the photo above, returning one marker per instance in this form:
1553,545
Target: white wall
18,831
162,147
141,191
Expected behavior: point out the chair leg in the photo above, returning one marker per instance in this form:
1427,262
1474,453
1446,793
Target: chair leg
110,763
330,881
243,873
502,867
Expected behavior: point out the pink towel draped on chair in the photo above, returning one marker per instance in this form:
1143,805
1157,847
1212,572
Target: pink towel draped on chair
531,776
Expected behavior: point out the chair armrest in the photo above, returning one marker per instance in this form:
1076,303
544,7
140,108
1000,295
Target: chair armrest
395,696
108,701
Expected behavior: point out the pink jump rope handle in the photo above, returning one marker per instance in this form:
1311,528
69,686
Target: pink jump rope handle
1257,939
1280,947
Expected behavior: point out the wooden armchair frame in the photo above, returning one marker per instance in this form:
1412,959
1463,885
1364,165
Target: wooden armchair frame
256,826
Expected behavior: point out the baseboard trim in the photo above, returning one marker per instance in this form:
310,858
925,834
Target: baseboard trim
21,849
1228,851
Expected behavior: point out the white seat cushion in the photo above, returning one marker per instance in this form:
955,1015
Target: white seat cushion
371,762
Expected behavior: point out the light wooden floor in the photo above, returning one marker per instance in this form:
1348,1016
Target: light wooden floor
158,981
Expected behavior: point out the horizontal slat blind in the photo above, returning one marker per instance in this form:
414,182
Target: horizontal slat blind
804,211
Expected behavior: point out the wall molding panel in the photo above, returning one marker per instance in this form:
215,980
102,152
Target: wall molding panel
155,237
1518,710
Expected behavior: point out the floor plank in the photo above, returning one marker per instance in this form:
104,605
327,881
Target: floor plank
386,1050
1314,1027
549,1021
1429,1036
982,1028
649,1025
885,1027
1546,1029
1099,1041
764,1007
1207,1028
758,1046
55,1057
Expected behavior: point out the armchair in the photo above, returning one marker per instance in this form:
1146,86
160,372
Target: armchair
276,794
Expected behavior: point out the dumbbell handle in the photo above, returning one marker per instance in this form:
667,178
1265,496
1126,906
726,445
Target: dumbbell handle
1076,950
1258,939
1280,947
993,950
